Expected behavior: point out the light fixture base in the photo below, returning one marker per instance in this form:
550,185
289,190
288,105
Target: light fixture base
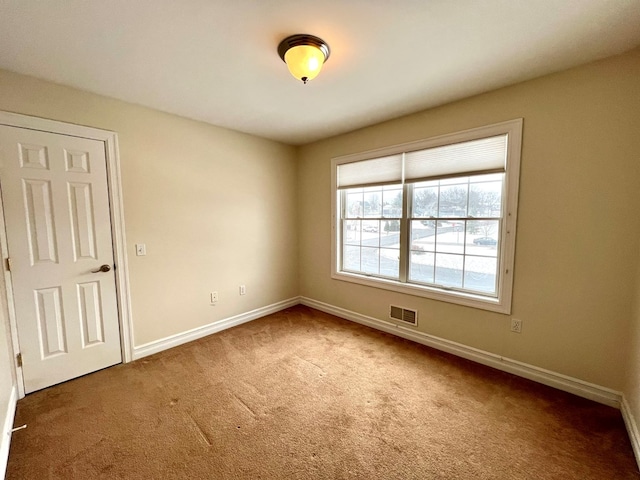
303,39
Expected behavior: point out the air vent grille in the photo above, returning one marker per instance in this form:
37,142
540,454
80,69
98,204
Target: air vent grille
404,315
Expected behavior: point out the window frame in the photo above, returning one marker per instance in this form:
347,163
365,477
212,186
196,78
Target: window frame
506,259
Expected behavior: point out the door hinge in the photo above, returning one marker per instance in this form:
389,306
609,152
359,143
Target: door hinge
19,359
8,264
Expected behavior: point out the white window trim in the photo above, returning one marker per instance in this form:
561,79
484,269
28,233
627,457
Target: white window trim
501,304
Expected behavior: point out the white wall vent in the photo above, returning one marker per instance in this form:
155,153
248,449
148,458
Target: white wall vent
404,315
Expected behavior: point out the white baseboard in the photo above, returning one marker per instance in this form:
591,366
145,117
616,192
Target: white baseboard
5,434
632,427
562,382
196,333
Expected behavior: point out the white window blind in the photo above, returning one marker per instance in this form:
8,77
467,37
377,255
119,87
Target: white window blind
487,155
377,171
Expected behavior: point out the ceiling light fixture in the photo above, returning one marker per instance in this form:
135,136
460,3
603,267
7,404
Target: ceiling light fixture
304,55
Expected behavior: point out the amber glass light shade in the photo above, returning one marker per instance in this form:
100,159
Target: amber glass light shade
304,55
304,62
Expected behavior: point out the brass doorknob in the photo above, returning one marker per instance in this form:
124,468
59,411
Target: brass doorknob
103,268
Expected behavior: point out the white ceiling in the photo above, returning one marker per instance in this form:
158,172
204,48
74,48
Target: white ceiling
216,60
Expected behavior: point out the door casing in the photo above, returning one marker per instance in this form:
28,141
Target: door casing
123,297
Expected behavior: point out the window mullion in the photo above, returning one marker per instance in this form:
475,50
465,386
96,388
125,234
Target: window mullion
464,245
405,236
342,206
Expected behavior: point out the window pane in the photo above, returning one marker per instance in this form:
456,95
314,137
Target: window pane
450,238
351,232
482,237
480,274
373,203
390,262
425,201
351,258
449,270
391,227
485,199
369,227
354,204
423,234
392,202
370,260
370,238
421,267
453,200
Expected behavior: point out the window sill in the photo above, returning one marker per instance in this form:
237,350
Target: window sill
459,298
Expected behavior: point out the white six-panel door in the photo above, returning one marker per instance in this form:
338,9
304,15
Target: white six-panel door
56,205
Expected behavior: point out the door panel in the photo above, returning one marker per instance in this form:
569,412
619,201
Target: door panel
55,197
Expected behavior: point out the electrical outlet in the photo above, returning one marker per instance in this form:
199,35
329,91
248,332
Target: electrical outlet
243,290
214,297
516,325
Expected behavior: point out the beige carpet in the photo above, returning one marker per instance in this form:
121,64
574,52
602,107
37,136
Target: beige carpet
304,395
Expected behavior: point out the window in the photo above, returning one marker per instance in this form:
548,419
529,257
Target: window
434,218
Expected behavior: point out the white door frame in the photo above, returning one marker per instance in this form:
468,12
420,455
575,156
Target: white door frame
123,295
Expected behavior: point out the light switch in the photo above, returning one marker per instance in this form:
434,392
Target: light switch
141,249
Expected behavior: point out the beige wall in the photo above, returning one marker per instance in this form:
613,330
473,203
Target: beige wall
215,208
578,226
632,385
